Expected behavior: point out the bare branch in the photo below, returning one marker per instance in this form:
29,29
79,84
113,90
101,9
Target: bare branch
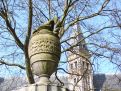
87,17
68,72
27,61
12,31
74,37
29,23
84,73
4,15
35,7
49,5
11,64
58,79
68,4
88,37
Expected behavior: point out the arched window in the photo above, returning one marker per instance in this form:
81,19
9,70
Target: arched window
87,65
71,66
75,64
75,80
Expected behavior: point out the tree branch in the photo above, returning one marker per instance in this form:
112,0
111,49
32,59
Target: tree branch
11,64
62,84
4,15
27,60
65,13
12,31
88,37
68,72
35,7
90,16
29,23
82,77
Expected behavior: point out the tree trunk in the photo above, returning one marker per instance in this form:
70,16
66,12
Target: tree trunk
28,67
29,71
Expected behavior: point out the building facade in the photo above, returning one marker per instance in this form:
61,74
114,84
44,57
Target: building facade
81,77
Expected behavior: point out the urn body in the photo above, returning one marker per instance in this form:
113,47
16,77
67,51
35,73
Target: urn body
44,52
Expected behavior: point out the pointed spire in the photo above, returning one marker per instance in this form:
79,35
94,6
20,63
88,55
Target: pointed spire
80,36
82,45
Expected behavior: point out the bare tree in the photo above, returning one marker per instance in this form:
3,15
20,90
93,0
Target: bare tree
99,22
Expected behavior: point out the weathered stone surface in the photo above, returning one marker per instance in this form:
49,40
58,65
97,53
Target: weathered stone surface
44,51
42,87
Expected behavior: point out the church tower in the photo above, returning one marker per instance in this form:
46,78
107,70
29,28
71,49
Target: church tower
79,63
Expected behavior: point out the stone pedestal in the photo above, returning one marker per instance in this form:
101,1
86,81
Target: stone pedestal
42,87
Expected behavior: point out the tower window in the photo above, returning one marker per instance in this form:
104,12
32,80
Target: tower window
87,65
83,46
75,64
78,79
82,64
74,80
71,66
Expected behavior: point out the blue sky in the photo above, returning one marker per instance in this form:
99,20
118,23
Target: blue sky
102,66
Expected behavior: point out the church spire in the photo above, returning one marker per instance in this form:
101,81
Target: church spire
82,45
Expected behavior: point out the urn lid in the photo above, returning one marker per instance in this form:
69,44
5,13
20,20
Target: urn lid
46,28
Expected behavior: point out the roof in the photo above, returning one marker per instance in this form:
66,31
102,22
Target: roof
107,82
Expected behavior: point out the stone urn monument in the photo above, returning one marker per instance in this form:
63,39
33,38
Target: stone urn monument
44,51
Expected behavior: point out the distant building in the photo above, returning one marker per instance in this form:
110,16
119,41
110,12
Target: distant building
8,84
1,80
79,63
103,82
